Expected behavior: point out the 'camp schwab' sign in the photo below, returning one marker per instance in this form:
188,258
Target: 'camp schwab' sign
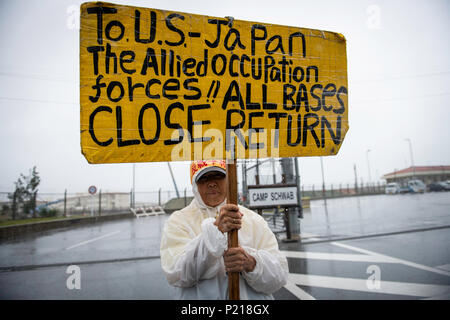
271,197
162,86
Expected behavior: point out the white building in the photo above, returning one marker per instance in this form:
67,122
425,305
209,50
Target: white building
427,174
110,202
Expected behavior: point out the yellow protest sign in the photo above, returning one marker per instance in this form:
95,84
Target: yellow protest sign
161,85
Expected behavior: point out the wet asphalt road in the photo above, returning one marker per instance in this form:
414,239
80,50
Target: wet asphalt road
373,247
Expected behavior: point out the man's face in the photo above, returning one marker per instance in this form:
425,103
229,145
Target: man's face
212,188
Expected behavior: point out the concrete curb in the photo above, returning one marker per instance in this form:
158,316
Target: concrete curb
15,231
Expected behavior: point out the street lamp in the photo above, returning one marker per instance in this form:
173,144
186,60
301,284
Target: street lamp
368,165
412,159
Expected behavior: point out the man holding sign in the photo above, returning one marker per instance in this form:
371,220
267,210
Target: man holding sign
194,253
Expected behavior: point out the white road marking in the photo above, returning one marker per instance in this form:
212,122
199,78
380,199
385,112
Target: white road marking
298,292
395,260
92,240
441,297
427,291
444,267
386,287
338,256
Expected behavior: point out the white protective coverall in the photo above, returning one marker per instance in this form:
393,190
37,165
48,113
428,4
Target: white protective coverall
192,249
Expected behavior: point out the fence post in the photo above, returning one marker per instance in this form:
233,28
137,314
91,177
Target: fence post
34,204
65,203
14,206
286,212
323,191
100,203
257,183
131,198
185,200
159,197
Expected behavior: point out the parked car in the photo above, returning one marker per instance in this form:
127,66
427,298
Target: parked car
437,186
405,189
417,186
446,185
392,188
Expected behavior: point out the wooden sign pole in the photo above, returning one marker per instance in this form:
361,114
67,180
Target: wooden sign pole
233,277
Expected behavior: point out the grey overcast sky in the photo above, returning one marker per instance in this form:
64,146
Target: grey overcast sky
398,77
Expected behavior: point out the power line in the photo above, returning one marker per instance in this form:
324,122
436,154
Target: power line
403,98
37,101
402,77
35,76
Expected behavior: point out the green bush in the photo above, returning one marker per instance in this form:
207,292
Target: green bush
47,213
5,209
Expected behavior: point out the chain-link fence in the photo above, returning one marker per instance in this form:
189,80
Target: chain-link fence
159,197
341,190
275,172
269,171
69,204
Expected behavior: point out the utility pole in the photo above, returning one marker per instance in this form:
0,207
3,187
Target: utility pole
299,195
272,160
293,223
257,171
323,181
412,159
173,179
356,179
